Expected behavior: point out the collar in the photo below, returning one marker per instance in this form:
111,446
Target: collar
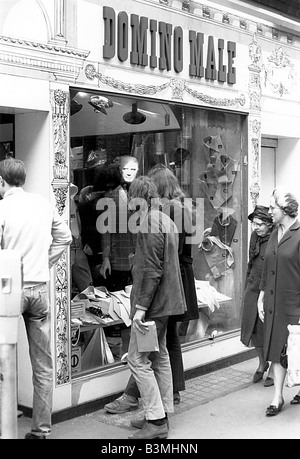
13,190
295,225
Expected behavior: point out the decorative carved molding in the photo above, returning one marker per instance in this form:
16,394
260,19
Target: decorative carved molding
53,47
60,119
63,62
279,73
177,85
255,53
60,111
255,94
186,5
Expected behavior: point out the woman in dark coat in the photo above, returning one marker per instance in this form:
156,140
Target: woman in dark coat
251,325
279,299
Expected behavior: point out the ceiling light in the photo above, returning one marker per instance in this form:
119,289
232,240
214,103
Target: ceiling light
100,103
134,117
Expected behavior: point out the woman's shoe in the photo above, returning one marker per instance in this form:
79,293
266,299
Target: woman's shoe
296,400
269,382
273,410
258,375
176,398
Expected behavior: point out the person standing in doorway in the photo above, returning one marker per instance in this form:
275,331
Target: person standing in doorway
252,333
30,225
278,303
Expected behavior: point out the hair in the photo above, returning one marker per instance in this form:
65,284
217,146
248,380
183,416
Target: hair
126,159
13,172
143,187
166,183
106,178
286,201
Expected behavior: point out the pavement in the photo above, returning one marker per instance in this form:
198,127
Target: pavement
223,404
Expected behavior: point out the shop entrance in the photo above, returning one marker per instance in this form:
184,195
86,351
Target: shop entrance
268,169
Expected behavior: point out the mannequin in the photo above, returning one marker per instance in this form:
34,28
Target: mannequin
118,248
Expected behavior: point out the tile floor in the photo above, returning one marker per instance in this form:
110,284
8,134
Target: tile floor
199,390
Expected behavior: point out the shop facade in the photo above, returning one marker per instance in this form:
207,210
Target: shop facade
208,90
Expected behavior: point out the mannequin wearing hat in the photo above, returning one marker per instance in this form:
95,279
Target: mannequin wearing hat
251,326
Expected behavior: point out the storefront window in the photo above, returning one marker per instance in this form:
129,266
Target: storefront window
7,130
203,148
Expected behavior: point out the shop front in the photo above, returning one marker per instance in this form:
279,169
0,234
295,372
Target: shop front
175,84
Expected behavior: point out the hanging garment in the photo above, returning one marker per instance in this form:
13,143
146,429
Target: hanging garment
219,256
224,228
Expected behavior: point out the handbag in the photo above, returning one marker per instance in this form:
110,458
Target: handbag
284,357
293,353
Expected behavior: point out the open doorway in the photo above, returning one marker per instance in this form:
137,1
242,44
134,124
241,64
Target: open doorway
268,169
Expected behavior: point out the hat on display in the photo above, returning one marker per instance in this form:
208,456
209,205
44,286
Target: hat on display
214,142
261,212
180,155
96,158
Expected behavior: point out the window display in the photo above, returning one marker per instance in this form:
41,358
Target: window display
203,148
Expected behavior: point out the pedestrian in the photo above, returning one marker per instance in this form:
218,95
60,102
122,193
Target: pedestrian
30,225
181,211
156,294
278,302
252,332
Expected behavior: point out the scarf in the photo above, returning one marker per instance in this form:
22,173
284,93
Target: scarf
254,248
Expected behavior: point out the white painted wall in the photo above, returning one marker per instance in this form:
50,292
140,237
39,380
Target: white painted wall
288,165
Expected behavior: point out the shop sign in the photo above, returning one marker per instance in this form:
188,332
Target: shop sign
210,57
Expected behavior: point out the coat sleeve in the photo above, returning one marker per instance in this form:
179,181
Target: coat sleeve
152,247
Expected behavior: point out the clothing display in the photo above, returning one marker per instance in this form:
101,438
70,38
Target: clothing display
219,256
224,227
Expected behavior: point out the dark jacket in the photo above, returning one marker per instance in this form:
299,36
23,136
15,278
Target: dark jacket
118,244
257,250
182,215
157,284
281,284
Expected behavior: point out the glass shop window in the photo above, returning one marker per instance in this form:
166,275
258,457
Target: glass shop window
203,148
7,132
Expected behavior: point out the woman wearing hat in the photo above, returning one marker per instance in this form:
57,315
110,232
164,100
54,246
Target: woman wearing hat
251,325
279,299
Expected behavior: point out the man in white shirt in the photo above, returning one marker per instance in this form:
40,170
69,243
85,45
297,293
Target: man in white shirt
30,225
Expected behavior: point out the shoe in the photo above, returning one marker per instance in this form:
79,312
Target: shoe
122,404
269,382
150,431
258,375
176,398
296,400
140,423
31,436
273,410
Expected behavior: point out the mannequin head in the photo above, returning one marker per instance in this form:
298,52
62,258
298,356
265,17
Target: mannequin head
129,167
